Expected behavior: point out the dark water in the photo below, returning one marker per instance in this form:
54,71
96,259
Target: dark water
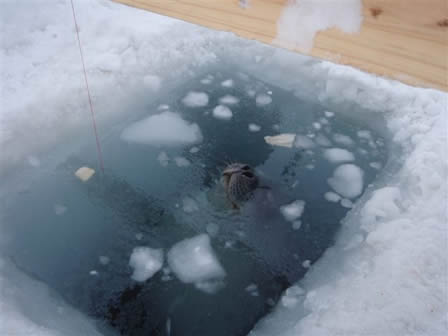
57,229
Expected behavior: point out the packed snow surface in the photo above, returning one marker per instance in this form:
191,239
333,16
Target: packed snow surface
195,99
164,129
347,180
193,261
338,155
302,19
146,262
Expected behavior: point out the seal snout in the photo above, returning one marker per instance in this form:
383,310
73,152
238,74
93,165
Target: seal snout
239,181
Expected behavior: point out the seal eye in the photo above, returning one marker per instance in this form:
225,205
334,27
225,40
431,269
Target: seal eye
245,167
248,174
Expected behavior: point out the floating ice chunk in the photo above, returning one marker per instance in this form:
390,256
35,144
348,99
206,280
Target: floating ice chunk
189,205
317,126
293,211
227,83
323,121
59,209
164,129
209,286
104,260
163,159
206,81
263,99
309,166
296,224
343,139
338,155
229,100
93,272
303,142
163,107
251,93
291,296
306,264
322,140
346,203
195,99
364,134
84,173
212,229
194,150
269,93
139,236
33,161
251,288
152,82
332,197
181,161
222,112
375,165
347,180
193,260
282,140
329,114
146,262
254,128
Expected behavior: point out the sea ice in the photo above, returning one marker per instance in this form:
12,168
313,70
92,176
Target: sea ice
195,99
303,142
146,262
293,211
104,260
164,129
227,83
189,205
192,260
152,82
254,127
332,197
338,155
282,140
322,140
296,224
347,180
181,161
222,112
229,100
263,99
329,114
343,139
163,159
194,150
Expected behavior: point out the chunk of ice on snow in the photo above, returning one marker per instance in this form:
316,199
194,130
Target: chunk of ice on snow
222,112
303,142
283,140
263,99
193,261
254,128
293,211
338,155
164,129
229,100
347,180
227,83
146,262
195,99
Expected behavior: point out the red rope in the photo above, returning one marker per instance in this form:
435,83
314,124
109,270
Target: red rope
98,146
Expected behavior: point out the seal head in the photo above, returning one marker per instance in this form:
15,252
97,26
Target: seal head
239,181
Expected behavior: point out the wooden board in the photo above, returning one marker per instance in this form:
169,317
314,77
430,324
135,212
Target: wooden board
402,39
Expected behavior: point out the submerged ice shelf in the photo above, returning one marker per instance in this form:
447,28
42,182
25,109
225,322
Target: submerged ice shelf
169,238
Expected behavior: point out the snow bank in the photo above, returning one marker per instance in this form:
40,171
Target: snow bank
193,261
146,262
165,129
302,19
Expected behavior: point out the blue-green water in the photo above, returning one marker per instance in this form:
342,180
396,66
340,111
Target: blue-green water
139,202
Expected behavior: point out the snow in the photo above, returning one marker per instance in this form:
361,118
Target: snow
293,211
146,262
222,112
229,100
263,99
195,99
303,142
164,129
347,180
338,155
254,127
192,260
392,279
301,20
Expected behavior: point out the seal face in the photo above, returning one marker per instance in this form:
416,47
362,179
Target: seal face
239,181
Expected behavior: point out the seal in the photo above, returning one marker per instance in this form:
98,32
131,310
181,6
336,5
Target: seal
239,182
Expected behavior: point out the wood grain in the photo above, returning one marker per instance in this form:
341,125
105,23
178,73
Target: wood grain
405,40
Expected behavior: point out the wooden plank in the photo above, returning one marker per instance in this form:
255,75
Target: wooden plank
402,39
